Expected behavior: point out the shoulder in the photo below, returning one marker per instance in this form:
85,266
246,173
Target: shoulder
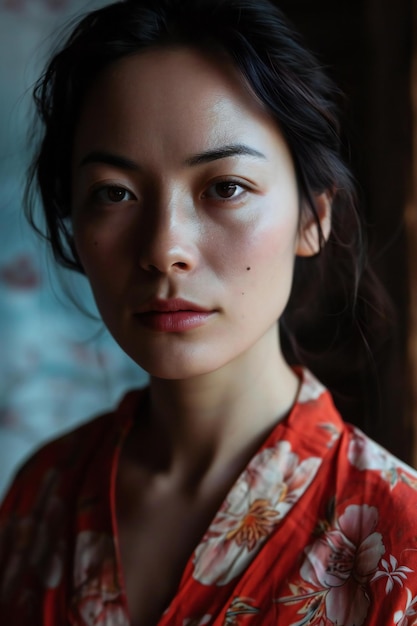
367,455
360,482
356,463
376,504
362,553
61,491
362,472
67,452
378,466
382,518
64,458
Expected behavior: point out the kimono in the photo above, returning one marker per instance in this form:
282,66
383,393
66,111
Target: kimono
319,529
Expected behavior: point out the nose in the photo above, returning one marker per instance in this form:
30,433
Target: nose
169,239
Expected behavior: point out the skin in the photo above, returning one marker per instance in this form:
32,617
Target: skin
220,230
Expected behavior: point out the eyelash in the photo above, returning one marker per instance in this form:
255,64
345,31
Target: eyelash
226,183
106,189
101,194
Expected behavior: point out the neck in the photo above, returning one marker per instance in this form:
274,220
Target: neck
209,419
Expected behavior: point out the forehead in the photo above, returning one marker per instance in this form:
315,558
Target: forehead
175,101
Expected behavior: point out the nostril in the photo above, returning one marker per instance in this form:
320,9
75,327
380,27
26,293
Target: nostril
181,265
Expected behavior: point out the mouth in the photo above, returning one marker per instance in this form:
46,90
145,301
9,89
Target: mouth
174,315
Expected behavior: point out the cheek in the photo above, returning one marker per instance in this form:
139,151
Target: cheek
99,239
263,271
88,248
101,264
260,250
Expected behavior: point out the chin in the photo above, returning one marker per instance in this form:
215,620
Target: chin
178,367
176,372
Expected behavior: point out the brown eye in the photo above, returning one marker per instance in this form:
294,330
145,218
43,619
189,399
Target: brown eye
225,190
117,194
111,194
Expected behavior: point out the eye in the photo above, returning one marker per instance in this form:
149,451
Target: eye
112,194
225,190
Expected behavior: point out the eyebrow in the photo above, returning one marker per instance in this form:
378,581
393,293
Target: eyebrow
100,156
108,158
223,153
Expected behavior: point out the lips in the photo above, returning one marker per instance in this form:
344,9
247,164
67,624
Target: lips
175,315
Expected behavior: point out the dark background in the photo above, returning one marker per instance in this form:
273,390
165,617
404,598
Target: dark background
366,46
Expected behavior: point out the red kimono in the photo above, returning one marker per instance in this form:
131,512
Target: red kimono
319,529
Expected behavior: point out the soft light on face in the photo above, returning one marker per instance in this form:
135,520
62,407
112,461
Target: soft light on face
184,188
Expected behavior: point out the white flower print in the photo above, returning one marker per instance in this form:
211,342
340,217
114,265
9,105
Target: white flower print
263,494
393,573
408,617
311,388
333,431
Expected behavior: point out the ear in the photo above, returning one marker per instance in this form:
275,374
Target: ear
308,239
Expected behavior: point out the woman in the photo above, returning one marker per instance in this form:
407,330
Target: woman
190,155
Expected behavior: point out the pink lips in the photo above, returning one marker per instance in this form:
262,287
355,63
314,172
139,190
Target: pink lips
172,316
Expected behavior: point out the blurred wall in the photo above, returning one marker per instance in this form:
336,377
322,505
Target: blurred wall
57,366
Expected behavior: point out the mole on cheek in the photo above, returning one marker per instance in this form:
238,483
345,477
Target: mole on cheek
248,269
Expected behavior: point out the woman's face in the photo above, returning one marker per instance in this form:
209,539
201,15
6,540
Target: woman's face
185,212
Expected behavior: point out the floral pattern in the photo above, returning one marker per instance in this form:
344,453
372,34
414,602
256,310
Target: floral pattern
262,496
366,454
31,535
98,593
339,566
307,536
239,609
393,573
407,616
311,389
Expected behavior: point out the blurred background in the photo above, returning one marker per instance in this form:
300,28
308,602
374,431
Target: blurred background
57,365
370,48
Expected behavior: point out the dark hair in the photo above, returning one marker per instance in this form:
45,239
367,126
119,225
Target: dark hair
282,73
254,34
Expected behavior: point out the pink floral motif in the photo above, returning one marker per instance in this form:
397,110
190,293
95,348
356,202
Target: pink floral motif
343,561
262,496
20,273
97,601
368,455
365,454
